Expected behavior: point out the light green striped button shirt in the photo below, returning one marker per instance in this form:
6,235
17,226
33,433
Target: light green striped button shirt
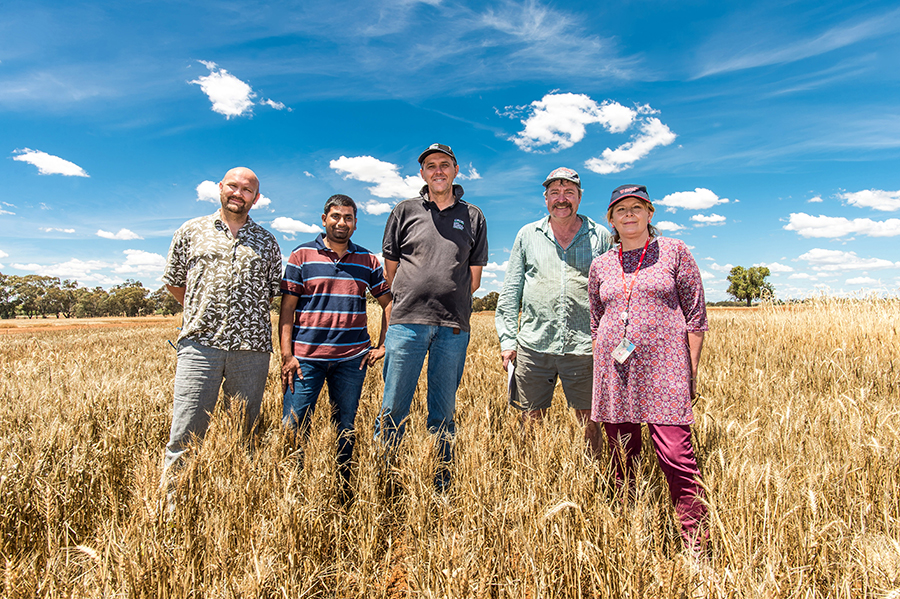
549,285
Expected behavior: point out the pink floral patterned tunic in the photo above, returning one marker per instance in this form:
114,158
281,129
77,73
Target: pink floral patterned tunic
667,301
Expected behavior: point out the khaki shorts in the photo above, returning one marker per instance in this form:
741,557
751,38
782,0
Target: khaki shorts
536,375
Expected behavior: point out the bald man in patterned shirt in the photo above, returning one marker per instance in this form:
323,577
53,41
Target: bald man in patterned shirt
224,269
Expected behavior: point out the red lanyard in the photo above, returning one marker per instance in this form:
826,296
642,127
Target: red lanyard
627,290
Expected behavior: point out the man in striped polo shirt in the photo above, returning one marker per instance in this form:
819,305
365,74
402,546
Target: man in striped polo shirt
547,281
324,328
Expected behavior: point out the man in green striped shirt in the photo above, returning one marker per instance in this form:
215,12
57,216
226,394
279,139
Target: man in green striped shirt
547,281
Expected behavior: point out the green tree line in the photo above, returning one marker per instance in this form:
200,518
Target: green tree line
40,296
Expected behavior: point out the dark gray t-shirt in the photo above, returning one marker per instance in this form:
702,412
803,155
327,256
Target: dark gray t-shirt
435,249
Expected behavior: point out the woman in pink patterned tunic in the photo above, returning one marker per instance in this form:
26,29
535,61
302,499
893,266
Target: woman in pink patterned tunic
648,317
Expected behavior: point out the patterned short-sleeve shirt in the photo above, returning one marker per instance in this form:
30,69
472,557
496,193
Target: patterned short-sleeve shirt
667,302
229,282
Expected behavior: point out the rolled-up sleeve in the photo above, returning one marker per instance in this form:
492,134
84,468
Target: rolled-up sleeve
506,318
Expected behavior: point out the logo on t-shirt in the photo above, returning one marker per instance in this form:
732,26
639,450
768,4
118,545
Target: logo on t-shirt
458,224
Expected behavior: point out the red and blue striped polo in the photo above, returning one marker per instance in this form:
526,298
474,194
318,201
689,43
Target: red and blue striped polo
330,320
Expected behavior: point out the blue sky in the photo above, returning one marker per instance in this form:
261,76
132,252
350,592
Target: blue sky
766,133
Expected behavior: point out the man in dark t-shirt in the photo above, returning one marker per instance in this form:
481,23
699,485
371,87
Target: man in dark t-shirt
435,246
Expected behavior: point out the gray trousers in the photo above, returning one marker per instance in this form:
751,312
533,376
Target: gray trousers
201,370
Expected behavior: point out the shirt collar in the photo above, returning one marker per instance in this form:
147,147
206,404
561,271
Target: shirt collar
544,227
457,196
320,245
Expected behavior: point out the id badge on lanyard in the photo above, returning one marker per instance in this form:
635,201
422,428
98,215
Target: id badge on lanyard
624,350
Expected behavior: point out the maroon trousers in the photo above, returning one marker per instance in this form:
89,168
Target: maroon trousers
678,464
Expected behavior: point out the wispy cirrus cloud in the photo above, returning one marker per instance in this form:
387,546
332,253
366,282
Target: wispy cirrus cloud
772,52
47,164
385,176
122,235
807,225
55,230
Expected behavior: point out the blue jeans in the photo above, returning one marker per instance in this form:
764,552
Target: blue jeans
345,382
406,346
200,371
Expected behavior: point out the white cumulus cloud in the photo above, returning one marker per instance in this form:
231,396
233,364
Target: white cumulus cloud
47,164
559,120
229,95
699,199
72,269
263,202
472,175
835,226
375,207
496,267
712,219
55,230
775,267
836,260
291,226
861,281
653,133
721,268
815,200
208,191
275,105
123,234
3,254
385,176
665,225
876,199
141,262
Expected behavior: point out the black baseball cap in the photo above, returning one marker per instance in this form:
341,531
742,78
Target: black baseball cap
443,149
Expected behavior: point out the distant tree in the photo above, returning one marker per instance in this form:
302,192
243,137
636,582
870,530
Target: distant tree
90,303
59,298
164,302
30,290
489,301
129,298
748,284
477,305
8,299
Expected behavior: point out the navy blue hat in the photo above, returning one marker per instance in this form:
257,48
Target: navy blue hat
629,191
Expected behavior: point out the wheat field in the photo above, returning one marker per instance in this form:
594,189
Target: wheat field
797,436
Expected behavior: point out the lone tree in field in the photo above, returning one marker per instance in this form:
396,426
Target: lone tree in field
749,283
